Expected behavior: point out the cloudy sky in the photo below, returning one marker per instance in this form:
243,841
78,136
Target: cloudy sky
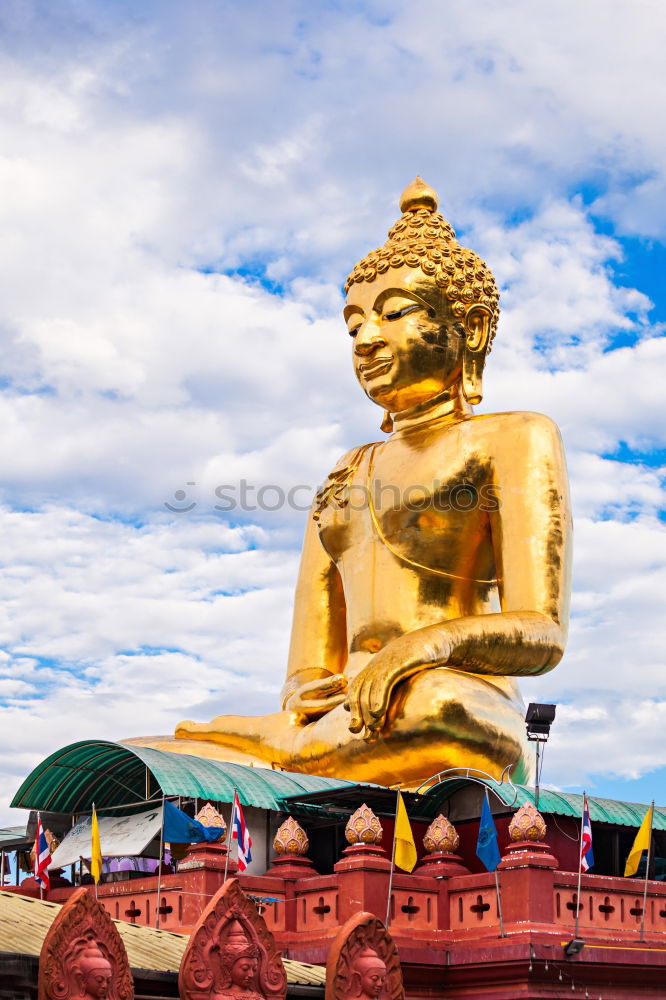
185,187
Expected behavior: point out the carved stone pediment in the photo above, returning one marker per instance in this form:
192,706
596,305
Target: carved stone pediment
363,963
83,956
231,954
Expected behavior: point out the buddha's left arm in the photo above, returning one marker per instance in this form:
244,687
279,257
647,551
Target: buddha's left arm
531,535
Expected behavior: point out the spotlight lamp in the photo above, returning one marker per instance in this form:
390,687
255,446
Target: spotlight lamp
538,720
574,947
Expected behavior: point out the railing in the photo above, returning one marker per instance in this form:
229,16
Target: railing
425,910
607,905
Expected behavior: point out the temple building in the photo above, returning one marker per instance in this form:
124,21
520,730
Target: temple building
321,853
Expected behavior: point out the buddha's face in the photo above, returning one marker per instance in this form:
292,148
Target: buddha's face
243,972
407,348
372,974
97,982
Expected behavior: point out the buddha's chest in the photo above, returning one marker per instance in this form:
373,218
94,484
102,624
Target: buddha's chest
424,502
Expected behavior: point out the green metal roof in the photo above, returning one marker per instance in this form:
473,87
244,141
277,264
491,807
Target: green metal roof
550,802
114,774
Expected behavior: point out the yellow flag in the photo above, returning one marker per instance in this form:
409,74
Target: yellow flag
96,856
641,843
405,848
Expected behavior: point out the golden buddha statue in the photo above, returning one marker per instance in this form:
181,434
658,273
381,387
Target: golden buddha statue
436,564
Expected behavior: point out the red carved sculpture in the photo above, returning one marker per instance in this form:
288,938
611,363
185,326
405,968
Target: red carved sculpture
231,954
363,963
83,956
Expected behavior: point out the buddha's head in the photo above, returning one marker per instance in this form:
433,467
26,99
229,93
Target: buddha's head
368,975
239,960
94,974
422,311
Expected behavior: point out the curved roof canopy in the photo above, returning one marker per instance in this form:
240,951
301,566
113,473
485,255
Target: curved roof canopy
120,775
124,776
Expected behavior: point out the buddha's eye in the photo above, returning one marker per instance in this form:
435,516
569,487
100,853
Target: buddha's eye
354,330
390,317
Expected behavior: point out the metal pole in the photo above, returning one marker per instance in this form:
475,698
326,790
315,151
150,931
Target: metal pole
229,832
36,865
580,865
2,869
647,873
159,871
100,849
390,885
536,787
499,904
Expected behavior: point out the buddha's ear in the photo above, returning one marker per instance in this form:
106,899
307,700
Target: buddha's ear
355,984
387,423
477,337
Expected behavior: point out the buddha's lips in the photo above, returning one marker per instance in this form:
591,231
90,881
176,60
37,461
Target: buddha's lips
375,367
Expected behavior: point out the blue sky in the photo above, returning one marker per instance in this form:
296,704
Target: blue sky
187,187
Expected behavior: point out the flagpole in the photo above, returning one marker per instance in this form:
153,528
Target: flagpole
647,872
39,824
497,887
91,850
159,870
499,904
229,835
580,865
390,885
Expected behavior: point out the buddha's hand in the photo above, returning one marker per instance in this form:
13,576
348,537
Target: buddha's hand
316,697
370,691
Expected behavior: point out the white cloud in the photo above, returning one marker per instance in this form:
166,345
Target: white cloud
118,629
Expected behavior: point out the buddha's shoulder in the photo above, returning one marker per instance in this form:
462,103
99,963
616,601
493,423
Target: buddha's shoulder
353,458
516,424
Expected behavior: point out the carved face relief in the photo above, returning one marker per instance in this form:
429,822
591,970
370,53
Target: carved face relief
97,983
371,973
363,963
407,348
231,954
83,956
243,973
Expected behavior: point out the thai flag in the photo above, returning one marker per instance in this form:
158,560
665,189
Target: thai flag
42,857
241,834
586,855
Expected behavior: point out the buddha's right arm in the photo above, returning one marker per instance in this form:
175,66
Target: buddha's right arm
318,649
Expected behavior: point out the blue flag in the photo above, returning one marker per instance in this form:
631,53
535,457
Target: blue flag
486,846
180,829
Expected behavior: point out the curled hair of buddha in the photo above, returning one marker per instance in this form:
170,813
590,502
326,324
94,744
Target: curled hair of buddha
423,238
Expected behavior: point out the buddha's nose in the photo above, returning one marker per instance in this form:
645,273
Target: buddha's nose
368,338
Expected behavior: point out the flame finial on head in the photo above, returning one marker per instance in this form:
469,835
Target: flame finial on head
418,194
